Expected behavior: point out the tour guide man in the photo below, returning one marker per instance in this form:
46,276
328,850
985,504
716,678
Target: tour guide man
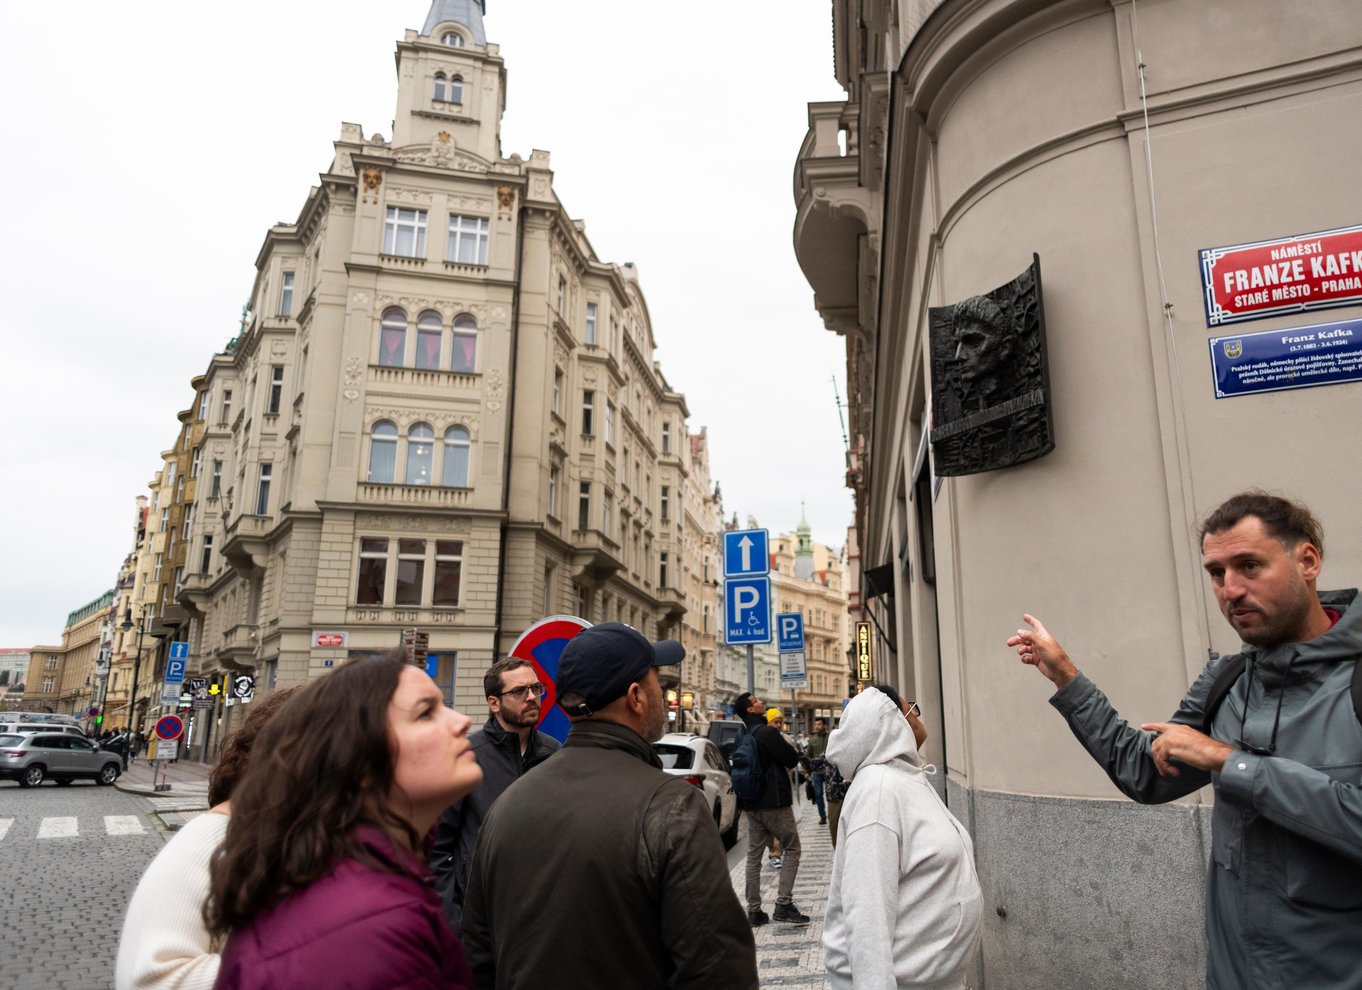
1283,751
597,869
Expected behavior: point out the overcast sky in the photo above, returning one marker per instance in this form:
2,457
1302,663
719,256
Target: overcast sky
149,146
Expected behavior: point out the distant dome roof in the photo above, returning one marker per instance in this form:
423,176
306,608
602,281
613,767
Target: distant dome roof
465,12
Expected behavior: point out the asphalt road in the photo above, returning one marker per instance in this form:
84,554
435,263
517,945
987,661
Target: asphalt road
69,860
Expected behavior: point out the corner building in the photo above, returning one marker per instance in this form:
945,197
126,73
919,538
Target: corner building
442,411
1114,139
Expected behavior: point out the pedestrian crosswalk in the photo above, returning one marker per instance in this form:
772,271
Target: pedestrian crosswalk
71,826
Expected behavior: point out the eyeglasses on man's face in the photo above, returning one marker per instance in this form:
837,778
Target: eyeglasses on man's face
535,690
913,710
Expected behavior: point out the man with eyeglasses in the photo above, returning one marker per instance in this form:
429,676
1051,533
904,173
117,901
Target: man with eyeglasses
1282,747
506,747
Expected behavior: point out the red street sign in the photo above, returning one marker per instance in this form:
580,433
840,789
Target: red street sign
330,639
169,727
1285,275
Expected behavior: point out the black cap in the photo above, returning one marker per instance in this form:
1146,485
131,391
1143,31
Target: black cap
601,661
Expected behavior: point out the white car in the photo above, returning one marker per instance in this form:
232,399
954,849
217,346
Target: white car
699,761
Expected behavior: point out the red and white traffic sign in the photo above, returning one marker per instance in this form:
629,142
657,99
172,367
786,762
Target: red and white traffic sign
169,727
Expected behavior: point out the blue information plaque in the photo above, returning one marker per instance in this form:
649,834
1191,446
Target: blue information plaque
1299,357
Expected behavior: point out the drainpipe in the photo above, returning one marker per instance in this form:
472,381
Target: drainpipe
510,424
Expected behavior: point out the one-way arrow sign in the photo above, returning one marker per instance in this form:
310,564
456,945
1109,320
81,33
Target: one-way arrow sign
746,553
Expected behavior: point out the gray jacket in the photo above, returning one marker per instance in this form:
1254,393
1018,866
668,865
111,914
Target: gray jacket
1284,884
498,753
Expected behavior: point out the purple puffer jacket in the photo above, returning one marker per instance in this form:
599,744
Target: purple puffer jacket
354,928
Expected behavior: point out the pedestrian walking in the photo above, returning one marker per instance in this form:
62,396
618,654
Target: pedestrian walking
904,905
321,879
770,816
1275,730
597,869
815,749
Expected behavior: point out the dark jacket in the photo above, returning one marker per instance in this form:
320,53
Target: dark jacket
1284,882
778,758
498,753
598,870
356,927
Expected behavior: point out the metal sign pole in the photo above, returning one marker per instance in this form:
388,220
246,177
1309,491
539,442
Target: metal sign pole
751,672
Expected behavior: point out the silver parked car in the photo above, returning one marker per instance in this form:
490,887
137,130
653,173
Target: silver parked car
699,761
33,757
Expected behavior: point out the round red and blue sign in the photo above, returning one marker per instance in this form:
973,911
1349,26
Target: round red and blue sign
540,646
169,727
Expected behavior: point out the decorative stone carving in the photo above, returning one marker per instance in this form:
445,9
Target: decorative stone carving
279,348
990,379
359,299
505,201
410,522
402,194
496,382
442,149
539,187
371,180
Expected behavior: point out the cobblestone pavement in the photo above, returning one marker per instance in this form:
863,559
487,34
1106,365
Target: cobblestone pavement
790,955
69,860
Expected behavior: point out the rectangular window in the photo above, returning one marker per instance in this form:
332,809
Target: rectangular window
48,684
165,519
262,497
467,240
204,401
179,579
206,554
588,408
562,296
558,391
429,336
286,296
196,464
170,474
215,490
276,390
465,355
404,235
373,571
156,568
662,573
584,506
666,502
666,438
553,489
226,405
591,323
448,572
608,503
411,571
610,423
188,521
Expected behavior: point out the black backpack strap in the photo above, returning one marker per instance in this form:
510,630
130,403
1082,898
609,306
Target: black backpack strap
1357,689
1230,673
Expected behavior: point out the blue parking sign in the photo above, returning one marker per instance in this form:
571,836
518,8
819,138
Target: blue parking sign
747,610
789,632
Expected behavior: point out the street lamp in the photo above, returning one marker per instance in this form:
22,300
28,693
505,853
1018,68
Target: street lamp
136,666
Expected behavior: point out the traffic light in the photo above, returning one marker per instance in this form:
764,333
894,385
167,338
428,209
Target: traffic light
99,720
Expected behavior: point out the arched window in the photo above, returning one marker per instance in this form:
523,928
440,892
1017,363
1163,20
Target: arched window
392,341
429,329
455,89
383,452
455,474
452,38
420,454
465,344
440,87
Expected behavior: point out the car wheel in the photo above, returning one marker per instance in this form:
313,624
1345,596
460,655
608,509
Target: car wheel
730,838
33,776
108,775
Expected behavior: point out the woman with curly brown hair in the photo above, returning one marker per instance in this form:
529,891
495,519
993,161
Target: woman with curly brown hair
322,878
165,945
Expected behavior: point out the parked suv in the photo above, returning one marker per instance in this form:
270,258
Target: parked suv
26,728
30,759
725,734
699,761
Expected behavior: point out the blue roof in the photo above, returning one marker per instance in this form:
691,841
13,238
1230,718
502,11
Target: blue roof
465,12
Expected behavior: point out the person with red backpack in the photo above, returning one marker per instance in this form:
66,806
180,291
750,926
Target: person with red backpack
769,810
1274,729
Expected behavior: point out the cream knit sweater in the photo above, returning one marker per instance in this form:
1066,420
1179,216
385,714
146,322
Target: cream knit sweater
165,945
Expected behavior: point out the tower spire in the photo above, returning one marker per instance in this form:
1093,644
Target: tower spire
467,13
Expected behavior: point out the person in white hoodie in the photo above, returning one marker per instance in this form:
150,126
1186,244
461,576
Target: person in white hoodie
904,905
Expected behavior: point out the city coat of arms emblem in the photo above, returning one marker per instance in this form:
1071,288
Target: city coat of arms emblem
1233,348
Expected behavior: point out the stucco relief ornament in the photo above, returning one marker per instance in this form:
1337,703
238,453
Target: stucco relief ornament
372,178
354,370
279,348
505,200
360,299
442,149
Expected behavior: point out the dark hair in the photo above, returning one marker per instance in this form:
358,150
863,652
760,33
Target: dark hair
322,766
1288,522
237,749
743,702
889,693
491,681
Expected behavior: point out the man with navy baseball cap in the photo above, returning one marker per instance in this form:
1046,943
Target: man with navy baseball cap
629,855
